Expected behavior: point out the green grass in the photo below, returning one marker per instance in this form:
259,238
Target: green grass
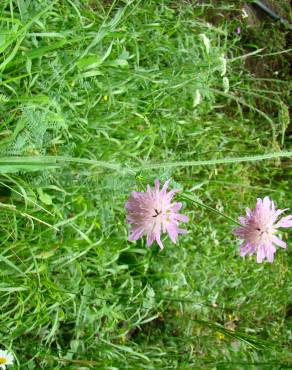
97,100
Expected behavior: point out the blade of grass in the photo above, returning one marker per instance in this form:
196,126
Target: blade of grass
248,339
11,264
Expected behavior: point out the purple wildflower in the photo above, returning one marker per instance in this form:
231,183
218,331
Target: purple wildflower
258,230
152,213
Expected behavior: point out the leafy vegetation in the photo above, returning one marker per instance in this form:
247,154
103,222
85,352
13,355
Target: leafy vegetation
97,100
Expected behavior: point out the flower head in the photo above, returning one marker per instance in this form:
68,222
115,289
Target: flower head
258,230
6,358
152,213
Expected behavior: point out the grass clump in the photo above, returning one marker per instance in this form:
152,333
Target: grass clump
93,96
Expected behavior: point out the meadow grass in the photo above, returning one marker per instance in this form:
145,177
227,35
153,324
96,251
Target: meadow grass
98,99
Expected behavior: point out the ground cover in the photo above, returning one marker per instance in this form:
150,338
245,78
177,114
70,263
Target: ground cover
99,99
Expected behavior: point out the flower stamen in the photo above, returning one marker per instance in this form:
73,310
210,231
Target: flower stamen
157,213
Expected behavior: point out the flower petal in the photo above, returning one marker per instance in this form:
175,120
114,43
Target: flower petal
171,194
285,222
242,220
270,252
182,218
246,248
149,191
164,188
259,203
157,185
136,234
266,202
261,254
176,207
248,212
172,231
239,231
278,242
159,242
150,239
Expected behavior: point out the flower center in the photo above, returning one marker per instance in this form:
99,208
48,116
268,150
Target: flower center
3,360
263,233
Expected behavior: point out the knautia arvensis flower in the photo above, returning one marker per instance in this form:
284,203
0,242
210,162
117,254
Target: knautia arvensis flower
152,213
259,228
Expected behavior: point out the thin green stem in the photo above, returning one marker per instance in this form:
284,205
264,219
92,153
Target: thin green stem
190,198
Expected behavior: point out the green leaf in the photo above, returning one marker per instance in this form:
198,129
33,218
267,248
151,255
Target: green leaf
44,197
11,264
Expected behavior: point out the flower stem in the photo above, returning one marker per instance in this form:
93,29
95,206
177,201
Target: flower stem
193,200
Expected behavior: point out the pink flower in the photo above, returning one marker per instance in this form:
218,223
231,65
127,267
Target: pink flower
152,213
258,230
